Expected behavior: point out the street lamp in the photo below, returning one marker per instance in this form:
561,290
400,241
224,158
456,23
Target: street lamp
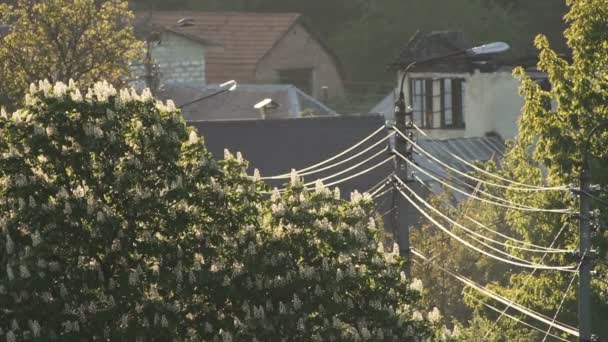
225,87
265,105
486,49
401,145
584,289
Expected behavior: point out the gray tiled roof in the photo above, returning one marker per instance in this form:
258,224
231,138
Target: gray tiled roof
238,104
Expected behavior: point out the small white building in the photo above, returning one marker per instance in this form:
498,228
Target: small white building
457,97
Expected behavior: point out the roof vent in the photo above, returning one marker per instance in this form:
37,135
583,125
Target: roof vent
185,22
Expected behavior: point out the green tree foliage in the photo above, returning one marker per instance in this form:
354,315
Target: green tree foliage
59,40
117,224
547,152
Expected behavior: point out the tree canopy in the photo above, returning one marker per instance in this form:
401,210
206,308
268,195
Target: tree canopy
59,40
117,224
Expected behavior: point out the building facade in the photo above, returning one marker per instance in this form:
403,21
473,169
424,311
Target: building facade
251,48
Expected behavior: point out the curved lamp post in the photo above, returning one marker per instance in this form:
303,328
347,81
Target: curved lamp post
486,49
401,145
225,87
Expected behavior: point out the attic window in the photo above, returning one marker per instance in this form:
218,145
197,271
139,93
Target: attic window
185,22
300,78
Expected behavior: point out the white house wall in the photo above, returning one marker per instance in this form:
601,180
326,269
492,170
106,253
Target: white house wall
180,60
491,103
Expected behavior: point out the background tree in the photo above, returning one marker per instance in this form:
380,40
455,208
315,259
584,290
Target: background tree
117,224
59,40
547,151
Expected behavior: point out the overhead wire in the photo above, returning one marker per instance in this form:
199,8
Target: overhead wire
471,246
347,169
543,248
333,165
528,312
559,308
514,318
353,176
476,189
526,281
475,167
363,141
473,232
527,188
517,207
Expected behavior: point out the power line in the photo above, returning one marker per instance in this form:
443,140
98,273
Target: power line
528,188
334,157
336,164
531,209
513,317
521,214
379,153
528,312
475,188
470,231
559,308
526,281
468,244
355,175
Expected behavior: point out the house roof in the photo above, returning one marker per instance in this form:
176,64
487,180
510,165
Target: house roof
241,39
276,146
423,46
238,104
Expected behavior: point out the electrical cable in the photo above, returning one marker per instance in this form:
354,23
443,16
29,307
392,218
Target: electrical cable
470,231
559,308
333,165
347,169
530,313
531,209
526,281
595,198
355,175
543,248
382,194
461,182
513,317
381,183
468,244
527,188
287,175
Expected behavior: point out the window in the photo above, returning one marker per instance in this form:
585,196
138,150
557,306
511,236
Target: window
437,103
301,78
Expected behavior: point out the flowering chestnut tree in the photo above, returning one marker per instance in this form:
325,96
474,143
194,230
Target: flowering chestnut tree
117,224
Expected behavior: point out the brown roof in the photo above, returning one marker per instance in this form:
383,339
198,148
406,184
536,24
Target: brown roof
238,41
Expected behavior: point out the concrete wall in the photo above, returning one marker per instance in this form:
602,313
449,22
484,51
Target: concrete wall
491,103
180,60
299,49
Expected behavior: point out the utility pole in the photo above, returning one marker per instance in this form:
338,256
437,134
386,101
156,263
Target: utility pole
584,287
401,228
586,253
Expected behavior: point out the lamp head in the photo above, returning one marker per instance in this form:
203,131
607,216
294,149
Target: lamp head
232,83
488,49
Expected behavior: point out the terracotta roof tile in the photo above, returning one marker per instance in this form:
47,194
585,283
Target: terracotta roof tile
242,39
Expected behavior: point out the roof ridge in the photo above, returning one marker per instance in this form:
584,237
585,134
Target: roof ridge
297,14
